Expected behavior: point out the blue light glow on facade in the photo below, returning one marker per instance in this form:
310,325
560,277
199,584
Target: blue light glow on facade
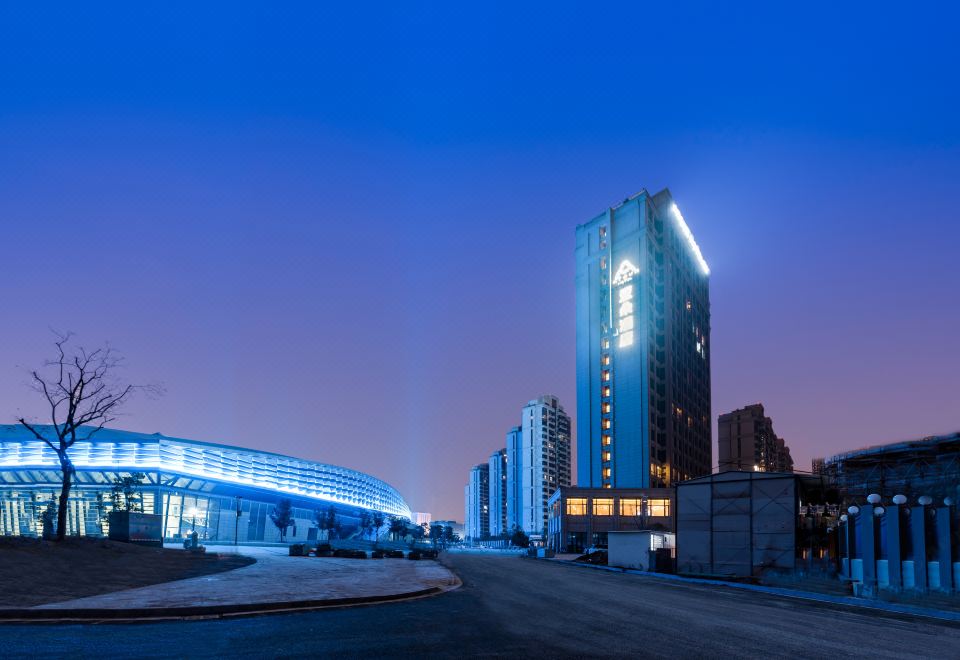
186,468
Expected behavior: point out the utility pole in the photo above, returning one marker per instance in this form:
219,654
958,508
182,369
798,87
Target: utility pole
236,525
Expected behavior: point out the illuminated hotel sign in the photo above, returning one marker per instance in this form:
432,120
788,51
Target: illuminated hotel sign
623,281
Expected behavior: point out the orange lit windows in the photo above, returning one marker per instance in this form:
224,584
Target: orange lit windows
658,508
606,390
605,375
577,506
606,456
631,507
603,506
606,407
606,424
605,440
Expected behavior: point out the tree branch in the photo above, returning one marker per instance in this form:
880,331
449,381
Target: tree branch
37,435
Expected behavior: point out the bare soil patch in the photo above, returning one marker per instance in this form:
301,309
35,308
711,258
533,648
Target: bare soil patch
36,572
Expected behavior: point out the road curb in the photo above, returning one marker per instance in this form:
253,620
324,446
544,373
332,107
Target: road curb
850,601
152,614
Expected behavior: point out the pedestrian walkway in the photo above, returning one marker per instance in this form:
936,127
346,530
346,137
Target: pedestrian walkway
278,578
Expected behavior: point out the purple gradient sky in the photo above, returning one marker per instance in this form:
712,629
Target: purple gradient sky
357,245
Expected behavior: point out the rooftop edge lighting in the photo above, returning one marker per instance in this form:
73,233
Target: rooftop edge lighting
688,235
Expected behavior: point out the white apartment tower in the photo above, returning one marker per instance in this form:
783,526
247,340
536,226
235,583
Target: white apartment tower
543,461
476,495
498,492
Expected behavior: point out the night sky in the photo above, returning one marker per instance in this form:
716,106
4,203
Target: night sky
348,234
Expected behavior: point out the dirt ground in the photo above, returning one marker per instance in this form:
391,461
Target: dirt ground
35,572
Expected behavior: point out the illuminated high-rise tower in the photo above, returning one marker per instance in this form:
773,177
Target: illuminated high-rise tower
643,347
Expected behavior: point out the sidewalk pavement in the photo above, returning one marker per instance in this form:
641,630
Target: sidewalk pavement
273,580
868,603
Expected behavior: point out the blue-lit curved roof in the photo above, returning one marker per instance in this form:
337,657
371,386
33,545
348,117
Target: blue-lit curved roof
124,450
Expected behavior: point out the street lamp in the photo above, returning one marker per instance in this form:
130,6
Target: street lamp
236,526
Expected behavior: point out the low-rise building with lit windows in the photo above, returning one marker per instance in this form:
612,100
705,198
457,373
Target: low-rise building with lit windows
582,517
223,493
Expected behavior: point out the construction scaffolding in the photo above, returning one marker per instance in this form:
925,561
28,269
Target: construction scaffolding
929,466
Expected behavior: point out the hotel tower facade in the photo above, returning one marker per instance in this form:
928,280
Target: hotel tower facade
643,347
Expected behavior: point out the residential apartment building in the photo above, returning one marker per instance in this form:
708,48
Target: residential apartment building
746,441
477,498
643,347
514,438
542,457
498,492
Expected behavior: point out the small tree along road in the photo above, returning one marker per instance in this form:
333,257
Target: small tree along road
282,517
83,395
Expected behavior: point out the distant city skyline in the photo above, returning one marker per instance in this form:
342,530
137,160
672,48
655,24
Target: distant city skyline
363,255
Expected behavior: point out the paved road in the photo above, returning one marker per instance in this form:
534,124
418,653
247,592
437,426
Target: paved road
520,607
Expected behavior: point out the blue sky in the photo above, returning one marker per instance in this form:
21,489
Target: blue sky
347,233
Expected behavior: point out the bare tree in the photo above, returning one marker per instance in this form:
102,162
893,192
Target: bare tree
83,396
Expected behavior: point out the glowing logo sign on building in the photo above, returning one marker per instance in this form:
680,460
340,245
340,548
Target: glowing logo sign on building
625,273
623,281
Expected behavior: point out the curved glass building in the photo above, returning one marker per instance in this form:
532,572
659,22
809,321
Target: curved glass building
224,493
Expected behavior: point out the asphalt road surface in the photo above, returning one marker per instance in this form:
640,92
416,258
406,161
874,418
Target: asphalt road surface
509,606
